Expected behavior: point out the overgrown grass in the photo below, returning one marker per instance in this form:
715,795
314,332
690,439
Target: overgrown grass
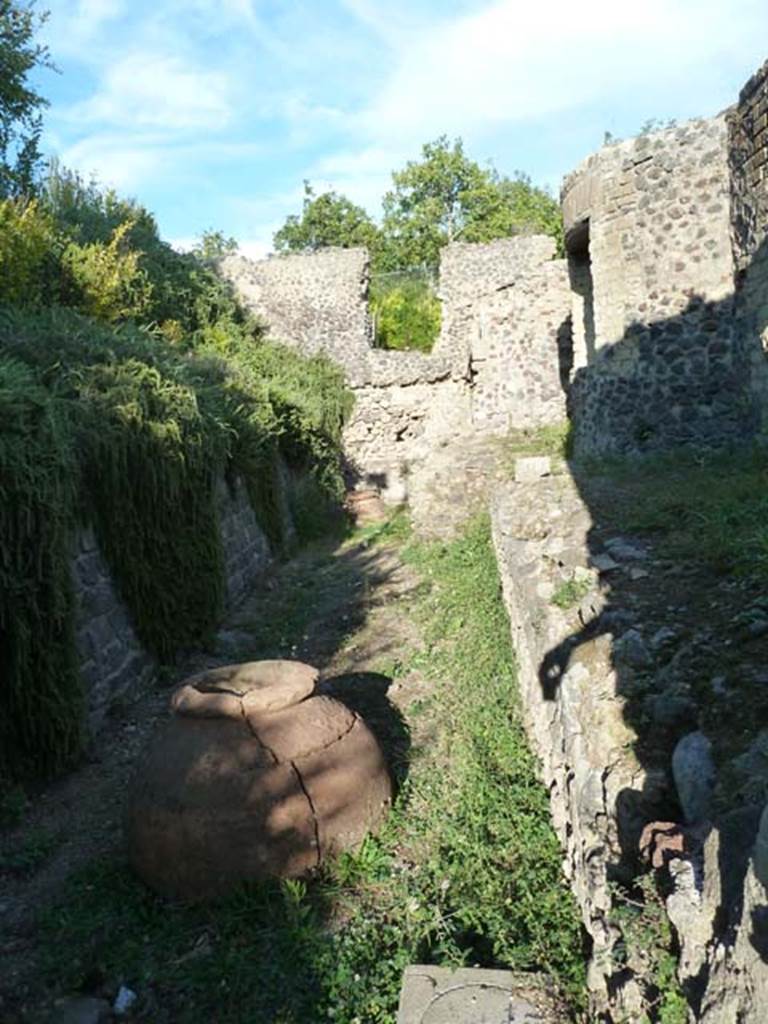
712,508
553,440
466,870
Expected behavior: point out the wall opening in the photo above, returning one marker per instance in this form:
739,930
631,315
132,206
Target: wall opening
582,287
405,309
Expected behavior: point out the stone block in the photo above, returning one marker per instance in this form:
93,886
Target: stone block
439,995
532,468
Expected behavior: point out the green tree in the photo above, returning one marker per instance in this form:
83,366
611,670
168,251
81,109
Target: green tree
326,219
20,105
213,245
447,197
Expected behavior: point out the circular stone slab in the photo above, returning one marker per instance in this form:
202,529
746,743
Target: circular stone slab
480,1004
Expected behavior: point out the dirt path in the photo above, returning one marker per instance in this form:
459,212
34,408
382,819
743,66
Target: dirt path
339,609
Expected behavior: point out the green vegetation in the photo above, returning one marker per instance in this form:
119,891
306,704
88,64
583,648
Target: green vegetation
326,220
709,507
467,869
20,104
117,427
648,944
570,592
26,857
406,311
131,383
447,197
553,439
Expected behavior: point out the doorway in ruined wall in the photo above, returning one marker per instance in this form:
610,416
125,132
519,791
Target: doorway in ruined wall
582,289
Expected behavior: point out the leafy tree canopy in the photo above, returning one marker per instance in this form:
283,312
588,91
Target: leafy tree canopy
447,197
213,245
327,219
443,197
20,105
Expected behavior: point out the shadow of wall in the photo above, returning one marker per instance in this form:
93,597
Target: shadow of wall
678,657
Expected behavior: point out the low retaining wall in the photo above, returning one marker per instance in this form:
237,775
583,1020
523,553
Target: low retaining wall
573,666
113,663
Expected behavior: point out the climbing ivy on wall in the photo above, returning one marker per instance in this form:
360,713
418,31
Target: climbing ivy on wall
117,428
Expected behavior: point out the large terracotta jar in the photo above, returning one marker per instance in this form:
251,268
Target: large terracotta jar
252,776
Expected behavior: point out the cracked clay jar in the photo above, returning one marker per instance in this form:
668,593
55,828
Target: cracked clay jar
252,776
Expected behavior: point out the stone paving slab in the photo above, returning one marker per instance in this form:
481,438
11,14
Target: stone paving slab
439,995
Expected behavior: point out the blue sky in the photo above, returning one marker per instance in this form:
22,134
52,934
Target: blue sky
212,112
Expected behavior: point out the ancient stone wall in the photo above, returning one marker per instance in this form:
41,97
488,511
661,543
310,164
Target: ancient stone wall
748,122
112,661
316,302
579,670
244,544
498,363
648,229
520,350
113,664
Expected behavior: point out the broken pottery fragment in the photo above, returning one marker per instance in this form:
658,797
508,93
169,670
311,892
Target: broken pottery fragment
251,777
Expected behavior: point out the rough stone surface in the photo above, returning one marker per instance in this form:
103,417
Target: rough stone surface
500,360
242,784
659,360
113,663
576,668
316,301
246,549
573,712
438,995
532,468
694,773
748,153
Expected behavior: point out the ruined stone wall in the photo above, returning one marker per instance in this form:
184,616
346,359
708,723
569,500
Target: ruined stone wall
113,663
660,366
579,670
748,122
496,364
520,351
316,301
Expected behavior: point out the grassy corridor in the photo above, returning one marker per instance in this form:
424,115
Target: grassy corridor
466,871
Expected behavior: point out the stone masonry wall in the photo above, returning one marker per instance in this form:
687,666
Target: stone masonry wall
662,366
113,663
520,350
316,301
496,364
577,673
748,122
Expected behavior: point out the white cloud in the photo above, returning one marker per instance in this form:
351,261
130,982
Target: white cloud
510,62
158,90
117,161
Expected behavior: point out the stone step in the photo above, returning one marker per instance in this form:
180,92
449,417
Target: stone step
468,995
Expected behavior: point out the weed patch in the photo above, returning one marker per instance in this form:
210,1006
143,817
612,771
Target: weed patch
570,592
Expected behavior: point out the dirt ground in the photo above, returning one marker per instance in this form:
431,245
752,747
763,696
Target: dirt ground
338,608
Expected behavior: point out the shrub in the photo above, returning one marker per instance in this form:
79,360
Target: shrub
108,280
27,243
406,314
